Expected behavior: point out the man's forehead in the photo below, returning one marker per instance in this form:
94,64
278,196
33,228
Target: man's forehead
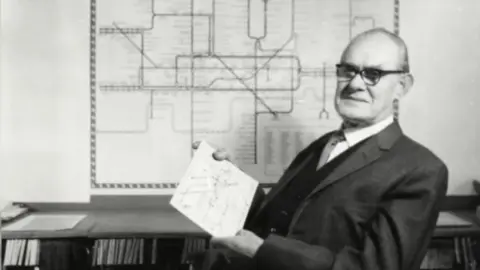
373,51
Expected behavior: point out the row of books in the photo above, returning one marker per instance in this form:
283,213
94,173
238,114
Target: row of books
438,258
22,252
452,253
176,253
141,251
165,253
45,254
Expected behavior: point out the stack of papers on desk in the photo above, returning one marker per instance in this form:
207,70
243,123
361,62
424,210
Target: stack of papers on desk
11,211
45,222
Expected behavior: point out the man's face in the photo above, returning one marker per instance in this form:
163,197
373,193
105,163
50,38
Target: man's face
355,100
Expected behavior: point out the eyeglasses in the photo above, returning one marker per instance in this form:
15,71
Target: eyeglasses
370,76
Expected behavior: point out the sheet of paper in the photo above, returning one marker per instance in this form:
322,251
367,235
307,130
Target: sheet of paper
450,219
12,211
45,222
215,195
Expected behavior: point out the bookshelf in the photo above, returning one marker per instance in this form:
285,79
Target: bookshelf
146,233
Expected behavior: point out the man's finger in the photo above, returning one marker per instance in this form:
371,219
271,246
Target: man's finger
218,241
221,155
241,232
196,144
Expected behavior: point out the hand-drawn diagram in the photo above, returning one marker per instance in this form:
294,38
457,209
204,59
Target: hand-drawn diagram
215,195
253,76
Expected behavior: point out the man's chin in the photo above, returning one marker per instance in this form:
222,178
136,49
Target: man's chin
354,116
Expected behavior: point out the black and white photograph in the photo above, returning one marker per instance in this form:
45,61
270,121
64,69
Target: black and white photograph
240,134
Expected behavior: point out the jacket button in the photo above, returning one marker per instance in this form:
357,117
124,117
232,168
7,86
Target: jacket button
284,213
273,230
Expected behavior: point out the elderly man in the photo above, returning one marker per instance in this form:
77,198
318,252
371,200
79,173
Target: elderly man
365,196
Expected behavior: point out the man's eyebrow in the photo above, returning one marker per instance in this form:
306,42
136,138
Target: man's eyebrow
349,65
379,67
375,66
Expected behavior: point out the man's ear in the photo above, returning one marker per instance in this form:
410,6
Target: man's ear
406,84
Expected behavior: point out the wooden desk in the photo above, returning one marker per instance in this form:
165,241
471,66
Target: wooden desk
167,222
152,216
118,224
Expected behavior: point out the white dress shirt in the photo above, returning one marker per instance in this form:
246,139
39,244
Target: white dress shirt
356,135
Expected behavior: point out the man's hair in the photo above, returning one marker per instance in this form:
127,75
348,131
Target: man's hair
404,65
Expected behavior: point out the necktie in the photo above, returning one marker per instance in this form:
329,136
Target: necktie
327,150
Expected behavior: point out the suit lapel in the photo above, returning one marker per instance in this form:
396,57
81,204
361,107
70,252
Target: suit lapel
293,171
289,175
365,154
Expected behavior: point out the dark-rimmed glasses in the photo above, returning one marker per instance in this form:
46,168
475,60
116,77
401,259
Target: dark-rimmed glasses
370,76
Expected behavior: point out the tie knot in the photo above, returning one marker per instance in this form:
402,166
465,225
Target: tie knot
338,136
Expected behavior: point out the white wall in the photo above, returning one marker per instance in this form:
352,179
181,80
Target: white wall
442,111
44,119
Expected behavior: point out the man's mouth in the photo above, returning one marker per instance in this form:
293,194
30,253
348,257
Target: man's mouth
354,98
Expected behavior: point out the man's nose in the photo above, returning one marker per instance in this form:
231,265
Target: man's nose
357,82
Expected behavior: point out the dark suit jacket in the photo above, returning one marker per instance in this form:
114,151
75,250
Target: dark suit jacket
376,210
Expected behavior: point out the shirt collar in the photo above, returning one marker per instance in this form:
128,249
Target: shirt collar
355,135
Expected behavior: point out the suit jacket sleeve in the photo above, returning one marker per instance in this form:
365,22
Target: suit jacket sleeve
395,238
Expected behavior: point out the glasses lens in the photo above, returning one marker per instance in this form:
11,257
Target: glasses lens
371,76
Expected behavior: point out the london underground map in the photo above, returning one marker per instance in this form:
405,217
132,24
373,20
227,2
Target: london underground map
253,76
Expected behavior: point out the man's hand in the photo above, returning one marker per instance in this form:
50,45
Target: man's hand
245,242
219,154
